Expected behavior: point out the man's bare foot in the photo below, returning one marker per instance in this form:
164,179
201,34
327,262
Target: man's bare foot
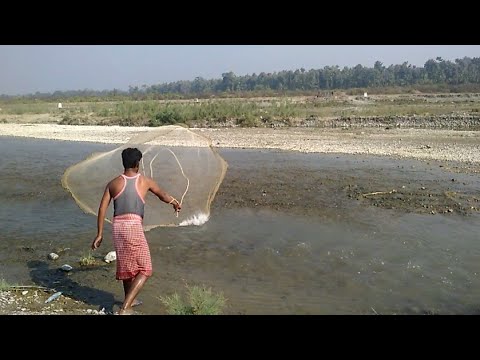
126,312
137,303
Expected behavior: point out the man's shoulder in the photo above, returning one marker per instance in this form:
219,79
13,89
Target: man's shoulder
114,180
145,177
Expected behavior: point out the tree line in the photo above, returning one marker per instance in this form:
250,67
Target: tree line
435,72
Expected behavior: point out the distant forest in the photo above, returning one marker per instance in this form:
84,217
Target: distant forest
461,75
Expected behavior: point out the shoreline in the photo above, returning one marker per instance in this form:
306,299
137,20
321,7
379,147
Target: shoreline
421,144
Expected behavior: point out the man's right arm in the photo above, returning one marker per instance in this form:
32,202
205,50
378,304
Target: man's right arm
102,210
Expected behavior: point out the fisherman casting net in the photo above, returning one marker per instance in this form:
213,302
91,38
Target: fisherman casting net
182,163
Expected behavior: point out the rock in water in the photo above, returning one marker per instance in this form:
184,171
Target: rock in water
66,267
53,256
111,256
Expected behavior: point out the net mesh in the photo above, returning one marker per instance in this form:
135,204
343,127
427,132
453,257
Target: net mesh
183,164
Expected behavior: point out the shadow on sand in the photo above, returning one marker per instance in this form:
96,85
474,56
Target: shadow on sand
42,275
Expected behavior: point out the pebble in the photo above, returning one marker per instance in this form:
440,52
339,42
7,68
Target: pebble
66,267
111,256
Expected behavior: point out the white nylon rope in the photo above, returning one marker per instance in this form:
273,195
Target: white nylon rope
181,169
188,181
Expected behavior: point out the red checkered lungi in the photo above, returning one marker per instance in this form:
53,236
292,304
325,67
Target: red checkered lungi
133,254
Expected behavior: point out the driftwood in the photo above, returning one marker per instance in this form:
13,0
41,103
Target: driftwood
380,192
25,287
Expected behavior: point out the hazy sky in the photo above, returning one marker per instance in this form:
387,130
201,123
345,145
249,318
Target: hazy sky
46,68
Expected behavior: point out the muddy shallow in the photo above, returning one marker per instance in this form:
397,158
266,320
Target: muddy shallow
322,184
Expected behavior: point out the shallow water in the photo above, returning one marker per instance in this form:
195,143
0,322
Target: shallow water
349,259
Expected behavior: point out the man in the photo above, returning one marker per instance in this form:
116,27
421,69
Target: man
128,191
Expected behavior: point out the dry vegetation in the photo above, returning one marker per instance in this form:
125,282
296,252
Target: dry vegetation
243,112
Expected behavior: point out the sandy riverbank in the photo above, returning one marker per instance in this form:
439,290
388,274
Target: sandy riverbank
424,144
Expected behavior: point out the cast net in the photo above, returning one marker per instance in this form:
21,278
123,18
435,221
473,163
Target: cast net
183,164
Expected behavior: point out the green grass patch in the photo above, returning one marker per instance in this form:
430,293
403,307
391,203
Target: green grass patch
4,285
87,260
200,301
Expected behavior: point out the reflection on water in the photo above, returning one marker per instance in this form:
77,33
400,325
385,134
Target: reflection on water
265,262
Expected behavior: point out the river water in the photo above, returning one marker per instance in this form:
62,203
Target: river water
350,260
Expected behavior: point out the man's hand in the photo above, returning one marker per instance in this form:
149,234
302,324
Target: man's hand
96,243
176,206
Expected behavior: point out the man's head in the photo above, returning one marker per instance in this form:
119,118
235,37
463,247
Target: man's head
131,158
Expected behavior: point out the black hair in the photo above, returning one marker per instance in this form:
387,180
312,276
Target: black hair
131,158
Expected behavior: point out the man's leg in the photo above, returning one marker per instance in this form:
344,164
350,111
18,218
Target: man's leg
127,284
133,289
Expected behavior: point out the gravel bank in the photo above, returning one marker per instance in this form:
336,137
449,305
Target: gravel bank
425,144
